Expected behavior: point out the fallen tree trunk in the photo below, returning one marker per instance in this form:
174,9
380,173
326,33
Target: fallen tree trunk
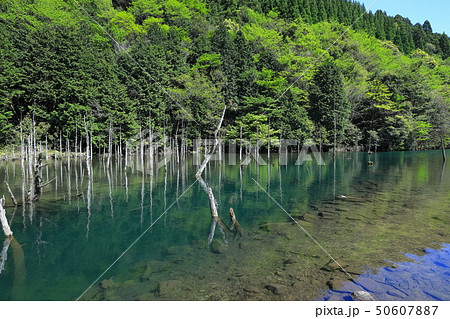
213,208
212,204
11,194
215,219
5,226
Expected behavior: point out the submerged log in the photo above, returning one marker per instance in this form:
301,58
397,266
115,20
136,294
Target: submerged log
214,214
5,226
19,283
212,204
215,219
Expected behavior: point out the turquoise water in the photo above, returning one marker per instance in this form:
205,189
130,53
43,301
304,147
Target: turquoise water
398,206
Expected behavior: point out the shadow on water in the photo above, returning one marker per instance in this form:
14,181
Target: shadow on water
91,214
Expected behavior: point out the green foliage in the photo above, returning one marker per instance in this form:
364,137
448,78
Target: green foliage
201,103
330,108
124,26
284,62
254,128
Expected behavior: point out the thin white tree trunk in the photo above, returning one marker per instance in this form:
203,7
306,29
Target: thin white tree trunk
60,144
76,139
216,142
444,158
88,156
110,149
22,152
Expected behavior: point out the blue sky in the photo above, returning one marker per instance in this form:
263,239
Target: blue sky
435,11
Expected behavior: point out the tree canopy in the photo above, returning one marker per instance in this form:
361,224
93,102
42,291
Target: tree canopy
283,68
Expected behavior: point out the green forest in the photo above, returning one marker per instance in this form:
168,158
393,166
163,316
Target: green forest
297,69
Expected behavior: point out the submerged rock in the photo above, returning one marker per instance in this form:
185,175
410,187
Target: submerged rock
108,284
277,289
179,250
353,270
289,261
326,215
152,266
334,265
252,289
168,288
218,247
335,283
310,218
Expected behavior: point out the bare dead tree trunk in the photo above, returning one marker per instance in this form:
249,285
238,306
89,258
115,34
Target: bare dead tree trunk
165,148
216,142
76,139
120,141
37,182
212,204
183,145
88,150
91,146
60,144
268,144
335,133
38,178
215,219
109,143
126,156
22,152
151,151
11,194
279,148
46,147
81,145
68,147
444,158
240,146
5,226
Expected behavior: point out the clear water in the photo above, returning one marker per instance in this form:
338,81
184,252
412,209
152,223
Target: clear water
424,278
397,208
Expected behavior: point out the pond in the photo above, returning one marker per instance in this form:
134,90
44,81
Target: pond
124,234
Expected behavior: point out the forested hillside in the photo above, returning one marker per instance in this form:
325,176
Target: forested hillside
291,69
